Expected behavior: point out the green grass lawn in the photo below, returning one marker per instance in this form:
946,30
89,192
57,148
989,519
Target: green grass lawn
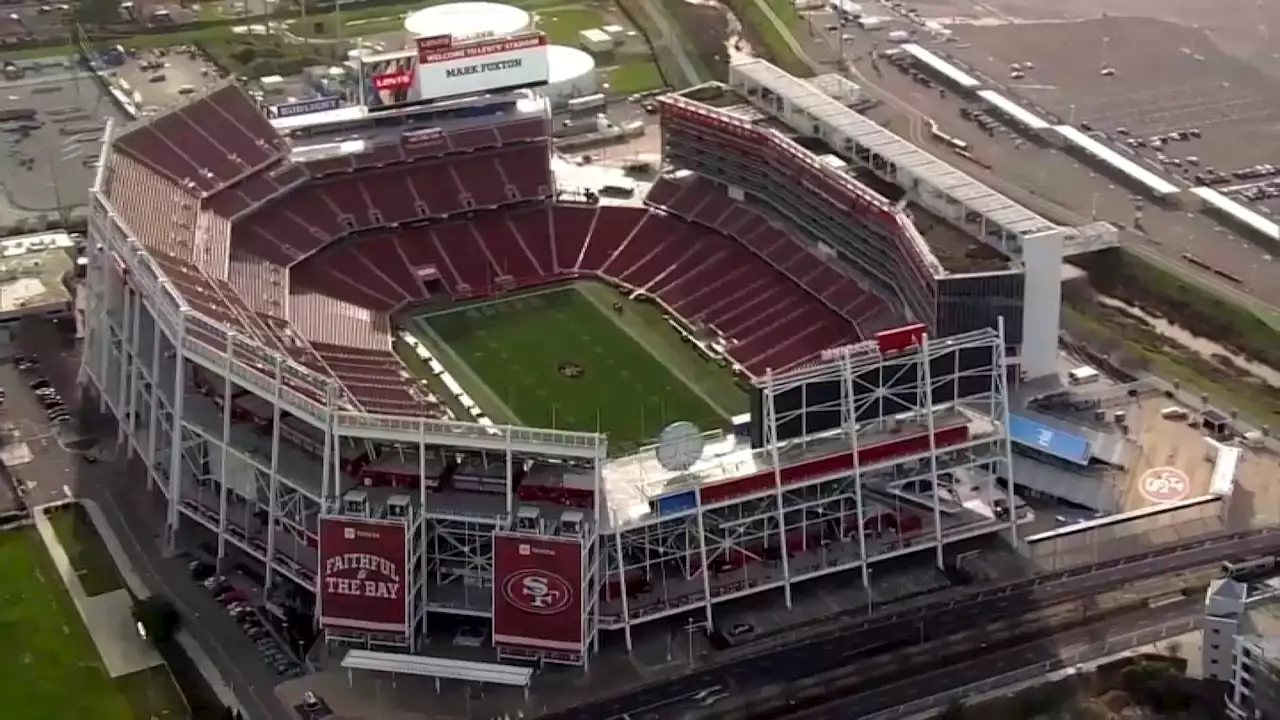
50,669
519,357
634,77
94,565
562,24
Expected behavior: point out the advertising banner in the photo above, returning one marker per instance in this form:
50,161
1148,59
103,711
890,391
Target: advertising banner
362,574
450,70
303,107
389,79
537,592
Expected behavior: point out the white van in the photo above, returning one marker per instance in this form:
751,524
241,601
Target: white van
1083,376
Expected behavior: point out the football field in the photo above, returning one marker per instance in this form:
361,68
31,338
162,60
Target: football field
50,668
580,357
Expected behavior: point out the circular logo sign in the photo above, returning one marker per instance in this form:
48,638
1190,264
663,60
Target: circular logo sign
538,592
1164,485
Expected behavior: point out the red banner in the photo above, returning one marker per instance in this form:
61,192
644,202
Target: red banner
362,574
437,54
433,43
537,595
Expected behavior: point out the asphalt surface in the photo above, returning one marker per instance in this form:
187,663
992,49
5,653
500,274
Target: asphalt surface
137,518
993,664
795,662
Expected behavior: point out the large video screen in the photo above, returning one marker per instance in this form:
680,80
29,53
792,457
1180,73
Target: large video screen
389,79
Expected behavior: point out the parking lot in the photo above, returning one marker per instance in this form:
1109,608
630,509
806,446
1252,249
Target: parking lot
243,603
157,79
22,20
1053,183
1139,81
50,141
31,451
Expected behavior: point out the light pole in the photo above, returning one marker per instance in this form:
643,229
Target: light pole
690,628
67,151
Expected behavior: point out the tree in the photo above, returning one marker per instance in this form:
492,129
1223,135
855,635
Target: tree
98,13
159,618
1094,709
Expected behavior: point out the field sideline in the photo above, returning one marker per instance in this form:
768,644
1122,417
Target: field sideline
566,357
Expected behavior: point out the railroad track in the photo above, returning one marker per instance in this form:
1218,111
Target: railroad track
888,664
889,697
1061,586
879,683
819,650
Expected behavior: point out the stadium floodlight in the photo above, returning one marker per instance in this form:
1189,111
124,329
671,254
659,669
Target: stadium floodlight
67,151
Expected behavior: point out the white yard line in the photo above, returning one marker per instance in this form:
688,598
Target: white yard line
474,379
613,317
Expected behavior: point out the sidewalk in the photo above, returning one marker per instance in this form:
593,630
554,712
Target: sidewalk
108,617
140,590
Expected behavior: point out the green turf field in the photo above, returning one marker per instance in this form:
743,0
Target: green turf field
50,669
562,357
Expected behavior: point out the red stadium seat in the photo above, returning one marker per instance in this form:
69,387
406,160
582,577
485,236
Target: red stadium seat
573,225
533,230
457,245
317,255
382,253
611,231
206,144
523,130
481,181
508,253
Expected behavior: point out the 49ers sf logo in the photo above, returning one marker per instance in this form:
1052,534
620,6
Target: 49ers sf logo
537,591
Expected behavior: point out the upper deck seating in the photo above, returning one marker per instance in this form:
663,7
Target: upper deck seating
707,204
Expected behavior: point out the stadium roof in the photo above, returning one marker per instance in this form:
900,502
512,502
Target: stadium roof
953,183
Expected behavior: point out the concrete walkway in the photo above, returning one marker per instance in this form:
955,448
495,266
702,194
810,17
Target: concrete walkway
108,617
140,590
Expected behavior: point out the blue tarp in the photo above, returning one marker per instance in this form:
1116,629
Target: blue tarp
1062,445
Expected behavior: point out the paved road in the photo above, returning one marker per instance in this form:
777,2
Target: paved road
788,664
137,518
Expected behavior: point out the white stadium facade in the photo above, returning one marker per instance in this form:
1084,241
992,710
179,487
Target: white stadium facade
241,293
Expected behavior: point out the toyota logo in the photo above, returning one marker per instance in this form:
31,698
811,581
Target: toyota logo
538,591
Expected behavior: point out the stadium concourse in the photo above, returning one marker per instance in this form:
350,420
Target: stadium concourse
242,294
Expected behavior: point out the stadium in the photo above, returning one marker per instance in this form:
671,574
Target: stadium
250,282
